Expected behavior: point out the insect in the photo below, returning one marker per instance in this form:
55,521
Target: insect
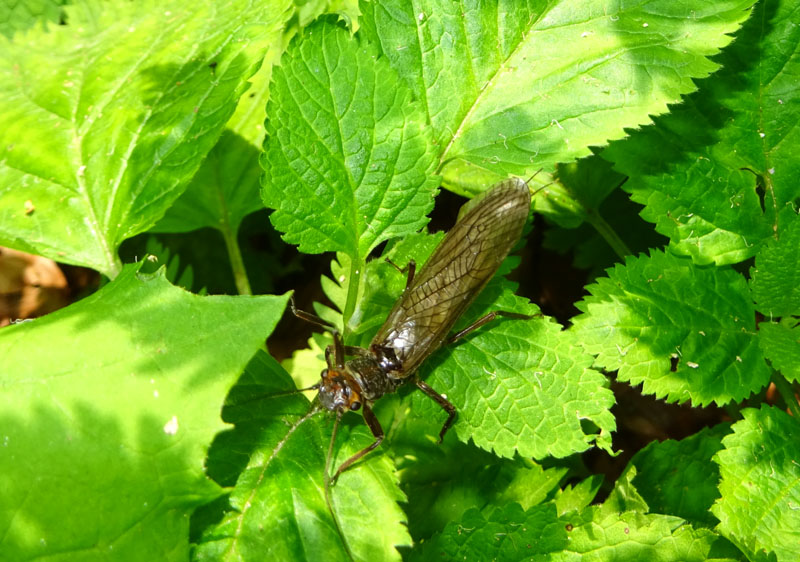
421,319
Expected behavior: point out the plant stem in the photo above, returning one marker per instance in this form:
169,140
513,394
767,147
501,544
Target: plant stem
787,393
237,263
356,267
609,234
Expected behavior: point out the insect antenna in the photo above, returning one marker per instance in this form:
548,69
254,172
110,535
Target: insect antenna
266,395
329,457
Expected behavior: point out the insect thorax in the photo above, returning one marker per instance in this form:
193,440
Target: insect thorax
371,376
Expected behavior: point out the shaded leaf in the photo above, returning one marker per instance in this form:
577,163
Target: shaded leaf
718,175
105,434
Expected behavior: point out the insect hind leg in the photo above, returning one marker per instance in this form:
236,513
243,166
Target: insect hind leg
485,319
443,402
411,268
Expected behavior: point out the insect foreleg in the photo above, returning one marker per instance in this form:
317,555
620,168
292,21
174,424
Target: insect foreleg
377,431
443,402
308,317
485,320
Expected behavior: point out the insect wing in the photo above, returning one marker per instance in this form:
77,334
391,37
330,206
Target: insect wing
462,264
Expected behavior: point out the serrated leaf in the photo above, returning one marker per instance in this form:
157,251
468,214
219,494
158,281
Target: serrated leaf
780,343
759,507
678,477
577,497
105,120
718,175
226,187
106,432
511,87
345,145
279,509
598,534
17,15
521,386
685,333
509,533
505,533
775,279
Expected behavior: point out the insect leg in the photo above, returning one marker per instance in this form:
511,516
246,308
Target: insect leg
443,402
377,432
337,349
308,317
411,267
485,320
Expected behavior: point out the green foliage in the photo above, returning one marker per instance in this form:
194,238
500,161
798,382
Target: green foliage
147,422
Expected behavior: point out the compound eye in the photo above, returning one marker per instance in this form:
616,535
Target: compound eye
355,405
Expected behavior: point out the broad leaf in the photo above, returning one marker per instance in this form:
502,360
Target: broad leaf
511,87
718,176
345,145
104,121
760,487
106,431
685,333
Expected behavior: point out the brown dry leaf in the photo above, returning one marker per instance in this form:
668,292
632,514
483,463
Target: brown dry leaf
30,286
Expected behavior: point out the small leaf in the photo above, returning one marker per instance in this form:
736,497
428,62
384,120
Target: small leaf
781,345
20,15
775,279
683,332
678,477
504,533
105,434
599,534
345,145
759,507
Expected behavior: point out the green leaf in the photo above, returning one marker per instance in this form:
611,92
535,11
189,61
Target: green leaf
780,343
775,279
683,332
226,187
279,509
18,15
443,481
512,87
509,533
599,534
345,145
579,496
718,175
505,533
106,431
678,477
759,507
521,386
104,121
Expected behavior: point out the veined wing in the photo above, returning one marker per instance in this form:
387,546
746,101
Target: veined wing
462,264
